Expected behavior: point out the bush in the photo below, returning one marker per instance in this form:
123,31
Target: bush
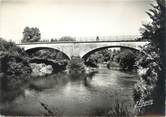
148,70
14,65
48,54
67,38
15,68
13,60
120,110
153,79
76,68
11,48
127,59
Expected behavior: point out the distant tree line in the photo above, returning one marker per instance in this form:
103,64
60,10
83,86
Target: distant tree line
124,58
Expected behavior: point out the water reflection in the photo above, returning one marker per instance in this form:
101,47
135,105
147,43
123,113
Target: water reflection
81,97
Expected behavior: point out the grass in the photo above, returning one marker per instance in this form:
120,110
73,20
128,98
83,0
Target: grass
119,109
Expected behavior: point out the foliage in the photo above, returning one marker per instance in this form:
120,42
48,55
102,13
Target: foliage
103,55
113,65
76,68
91,61
120,110
13,65
12,58
115,56
31,35
151,63
67,38
127,59
44,40
52,57
124,57
11,48
53,40
48,54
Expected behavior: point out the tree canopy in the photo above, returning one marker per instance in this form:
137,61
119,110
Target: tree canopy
151,83
31,34
67,38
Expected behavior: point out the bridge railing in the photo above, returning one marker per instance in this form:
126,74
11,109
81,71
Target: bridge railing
28,43
121,38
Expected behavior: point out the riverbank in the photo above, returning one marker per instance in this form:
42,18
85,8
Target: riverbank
40,82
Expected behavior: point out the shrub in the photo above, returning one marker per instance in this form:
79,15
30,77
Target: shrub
67,38
11,48
153,60
76,67
127,59
120,110
14,65
15,68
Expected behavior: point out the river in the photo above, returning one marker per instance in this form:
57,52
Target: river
78,98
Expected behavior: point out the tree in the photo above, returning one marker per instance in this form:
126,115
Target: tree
11,48
76,68
31,35
13,59
67,38
14,66
152,83
53,40
127,59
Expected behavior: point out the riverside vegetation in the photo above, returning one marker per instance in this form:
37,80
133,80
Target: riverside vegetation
16,69
151,63
16,76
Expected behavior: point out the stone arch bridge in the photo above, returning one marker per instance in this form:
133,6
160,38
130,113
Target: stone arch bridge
81,48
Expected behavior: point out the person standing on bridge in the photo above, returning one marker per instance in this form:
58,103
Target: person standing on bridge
97,38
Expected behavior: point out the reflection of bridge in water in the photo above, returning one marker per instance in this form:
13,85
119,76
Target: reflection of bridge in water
81,48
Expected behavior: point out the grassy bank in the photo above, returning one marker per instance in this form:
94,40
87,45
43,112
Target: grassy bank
119,109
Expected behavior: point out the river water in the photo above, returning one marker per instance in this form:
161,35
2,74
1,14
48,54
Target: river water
77,97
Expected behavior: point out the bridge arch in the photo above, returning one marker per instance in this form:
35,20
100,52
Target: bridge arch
86,55
33,50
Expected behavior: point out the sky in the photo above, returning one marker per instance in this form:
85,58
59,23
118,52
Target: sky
76,18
